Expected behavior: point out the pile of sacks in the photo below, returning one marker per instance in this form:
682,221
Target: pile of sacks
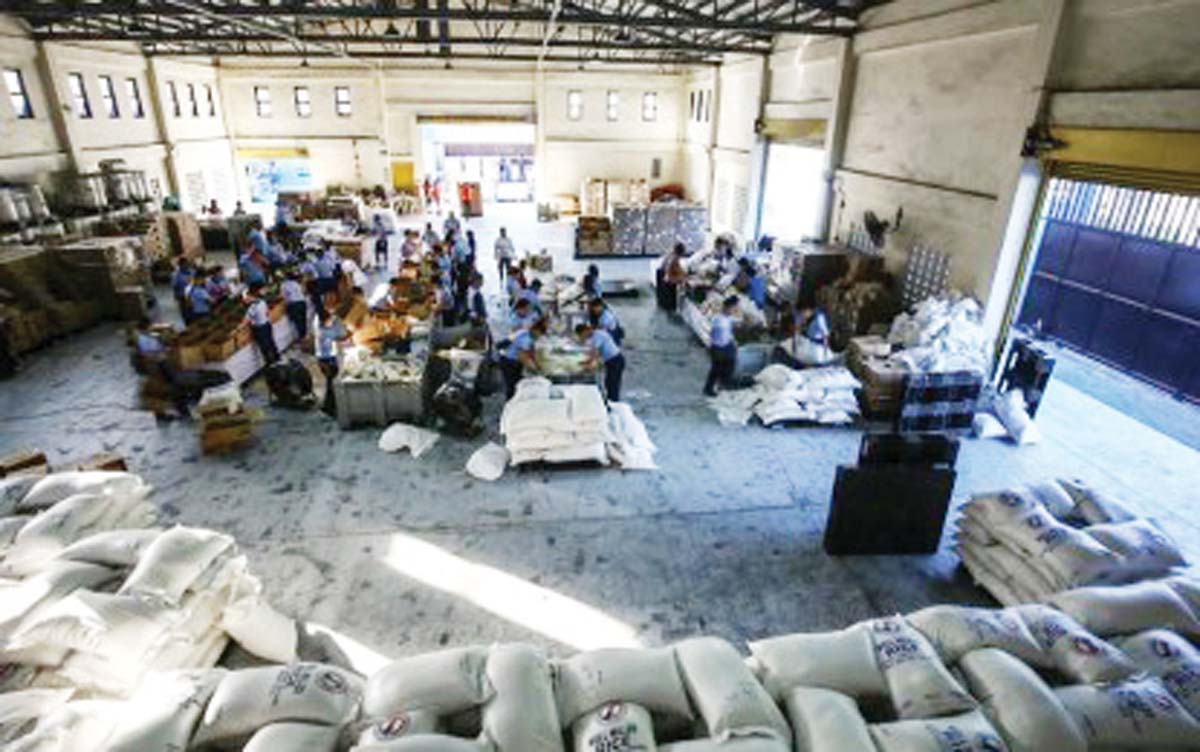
941,335
544,422
785,395
1026,544
698,317
1027,679
96,601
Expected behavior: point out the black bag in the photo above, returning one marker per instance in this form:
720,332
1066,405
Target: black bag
290,384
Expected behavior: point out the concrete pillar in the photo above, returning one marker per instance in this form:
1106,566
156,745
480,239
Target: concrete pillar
835,134
62,115
539,136
161,124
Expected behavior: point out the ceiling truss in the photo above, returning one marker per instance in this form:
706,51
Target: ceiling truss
676,32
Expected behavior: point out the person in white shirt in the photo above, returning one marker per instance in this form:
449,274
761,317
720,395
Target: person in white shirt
430,237
410,250
505,252
329,331
258,316
722,349
451,224
295,303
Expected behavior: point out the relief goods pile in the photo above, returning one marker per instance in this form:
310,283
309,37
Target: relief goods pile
785,395
1027,544
551,423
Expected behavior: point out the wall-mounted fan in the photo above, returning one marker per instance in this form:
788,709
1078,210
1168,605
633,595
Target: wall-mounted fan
878,228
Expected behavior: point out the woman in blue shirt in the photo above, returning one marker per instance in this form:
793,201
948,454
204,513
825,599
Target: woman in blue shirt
521,353
722,349
601,317
753,283
602,349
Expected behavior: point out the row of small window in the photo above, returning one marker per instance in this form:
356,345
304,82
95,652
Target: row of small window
612,105
302,98
112,108
700,106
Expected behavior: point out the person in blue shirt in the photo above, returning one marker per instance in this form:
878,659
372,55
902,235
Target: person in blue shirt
295,302
814,325
602,349
601,317
752,283
258,316
328,332
522,316
252,273
521,353
328,264
258,239
532,295
722,349
591,282
217,285
198,299
476,304
180,281
451,224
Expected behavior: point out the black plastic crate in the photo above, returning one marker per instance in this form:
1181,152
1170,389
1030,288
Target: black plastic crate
888,509
1028,368
894,448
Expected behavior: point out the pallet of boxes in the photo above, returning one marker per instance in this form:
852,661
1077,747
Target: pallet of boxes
883,380
226,424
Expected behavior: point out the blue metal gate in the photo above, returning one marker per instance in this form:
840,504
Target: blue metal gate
1117,276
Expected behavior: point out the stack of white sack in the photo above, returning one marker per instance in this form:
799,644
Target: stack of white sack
784,395
941,335
1025,544
108,607
544,422
699,317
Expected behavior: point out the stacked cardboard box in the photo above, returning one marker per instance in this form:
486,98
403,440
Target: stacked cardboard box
594,236
223,431
24,462
882,379
183,234
592,199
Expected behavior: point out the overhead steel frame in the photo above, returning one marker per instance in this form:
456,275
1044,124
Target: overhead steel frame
664,32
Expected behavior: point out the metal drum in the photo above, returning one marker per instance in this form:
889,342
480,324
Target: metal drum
21,201
8,210
37,203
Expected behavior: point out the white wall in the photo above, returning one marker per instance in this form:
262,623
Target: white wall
30,148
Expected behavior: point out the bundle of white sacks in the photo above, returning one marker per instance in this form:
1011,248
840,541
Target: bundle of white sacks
785,395
94,601
1026,544
544,422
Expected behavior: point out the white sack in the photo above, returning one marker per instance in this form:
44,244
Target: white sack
446,681
68,521
54,582
1071,557
1020,705
969,732
20,711
987,426
646,677
53,488
776,377
293,737
918,682
404,725
1093,506
252,698
9,527
521,716
174,561
163,713
1186,588
986,576
1148,551
112,548
425,743
1126,609
826,721
533,387
1054,497
955,631
13,489
1137,714
1077,653
829,377
527,414
119,628
488,462
614,726
730,700
1171,658
399,436
744,744
841,661
1010,409
260,629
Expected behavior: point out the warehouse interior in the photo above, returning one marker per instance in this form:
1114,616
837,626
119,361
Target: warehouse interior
453,365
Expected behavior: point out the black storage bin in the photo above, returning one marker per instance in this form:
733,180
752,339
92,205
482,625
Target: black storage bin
1028,368
888,509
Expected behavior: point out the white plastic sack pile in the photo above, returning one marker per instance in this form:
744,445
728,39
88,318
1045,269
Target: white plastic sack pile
400,436
942,334
969,732
488,462
630,447
955,631
1173,660
1136,714
730,701
781,394
1074,651
544,423
842,661
1016,546
1127,609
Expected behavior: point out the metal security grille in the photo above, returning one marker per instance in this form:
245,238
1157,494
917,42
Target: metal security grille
1117,276
1151,215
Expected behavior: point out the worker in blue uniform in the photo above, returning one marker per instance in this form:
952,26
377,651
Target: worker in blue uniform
603,350
722,349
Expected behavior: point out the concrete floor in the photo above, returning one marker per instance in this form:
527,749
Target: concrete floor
407,555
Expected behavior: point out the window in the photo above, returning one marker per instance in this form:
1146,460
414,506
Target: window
262,101
303,102
612,106
341,100
79,97
574,105
135,98
692,105
192,101
650,106
108,95
707,106
212,103
173,95
17,93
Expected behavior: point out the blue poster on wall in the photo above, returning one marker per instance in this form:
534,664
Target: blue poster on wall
269,177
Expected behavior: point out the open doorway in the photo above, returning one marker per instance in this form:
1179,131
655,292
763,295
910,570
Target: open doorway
792,192
479,165
1114,288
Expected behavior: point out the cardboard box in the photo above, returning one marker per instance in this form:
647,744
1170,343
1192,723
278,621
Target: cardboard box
23,461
